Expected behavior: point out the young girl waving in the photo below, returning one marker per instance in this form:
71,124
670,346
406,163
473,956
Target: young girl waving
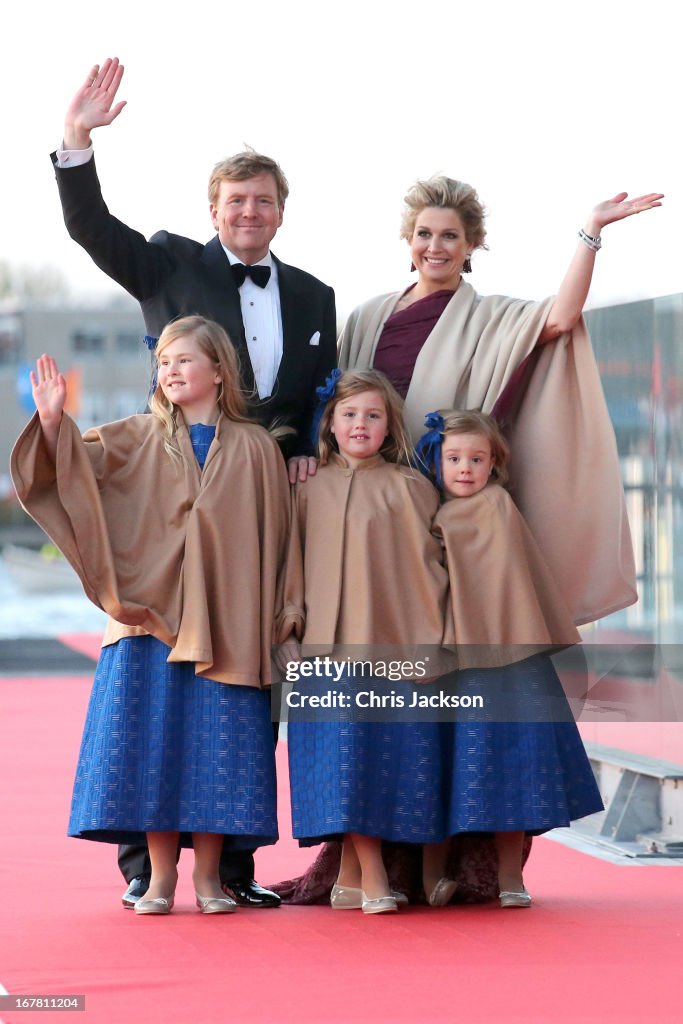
176,523
523,769
372,590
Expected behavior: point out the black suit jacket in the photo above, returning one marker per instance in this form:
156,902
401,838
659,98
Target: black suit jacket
173,276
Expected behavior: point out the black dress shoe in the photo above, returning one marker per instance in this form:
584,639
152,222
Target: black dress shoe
248,893
135,891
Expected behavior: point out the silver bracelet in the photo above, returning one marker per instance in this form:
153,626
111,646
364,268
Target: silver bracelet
593,243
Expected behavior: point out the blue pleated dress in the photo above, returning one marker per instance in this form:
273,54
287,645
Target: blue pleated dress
424,781
526,772
377,778
166,750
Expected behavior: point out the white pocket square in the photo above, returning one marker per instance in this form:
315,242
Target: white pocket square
315,338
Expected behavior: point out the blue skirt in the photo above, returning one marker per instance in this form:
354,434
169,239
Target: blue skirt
517,775
376,778
165,750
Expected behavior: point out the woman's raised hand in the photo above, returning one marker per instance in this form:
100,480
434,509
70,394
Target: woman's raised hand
93,105
619,207
573,292
49,391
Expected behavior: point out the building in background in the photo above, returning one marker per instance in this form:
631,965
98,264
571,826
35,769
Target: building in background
99,348
639,347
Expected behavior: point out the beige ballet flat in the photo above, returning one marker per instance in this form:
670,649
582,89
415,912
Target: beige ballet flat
515,899
157,906
214,905
442,892
345,897
380,905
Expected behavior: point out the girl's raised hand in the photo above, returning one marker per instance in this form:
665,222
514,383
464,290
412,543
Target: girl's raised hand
49,390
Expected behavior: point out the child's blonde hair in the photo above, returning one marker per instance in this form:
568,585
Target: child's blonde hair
472,421
216,345
396,446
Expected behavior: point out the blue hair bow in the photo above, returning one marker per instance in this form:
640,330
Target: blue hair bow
428,448
325,392
151,344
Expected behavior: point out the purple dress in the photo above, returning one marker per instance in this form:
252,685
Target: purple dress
404,334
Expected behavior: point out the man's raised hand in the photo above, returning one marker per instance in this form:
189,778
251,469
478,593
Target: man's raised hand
93,105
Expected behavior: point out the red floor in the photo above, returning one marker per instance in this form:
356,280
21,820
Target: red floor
602,944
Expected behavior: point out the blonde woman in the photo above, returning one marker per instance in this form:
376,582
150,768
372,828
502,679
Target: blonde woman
444,346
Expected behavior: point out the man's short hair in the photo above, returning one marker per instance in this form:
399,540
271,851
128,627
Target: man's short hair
247,165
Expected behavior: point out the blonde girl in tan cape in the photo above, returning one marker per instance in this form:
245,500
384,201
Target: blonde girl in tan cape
176,523
364,581
505,775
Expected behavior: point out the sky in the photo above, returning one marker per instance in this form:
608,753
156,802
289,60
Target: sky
546,109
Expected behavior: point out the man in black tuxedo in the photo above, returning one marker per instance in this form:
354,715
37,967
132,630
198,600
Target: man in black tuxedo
280,319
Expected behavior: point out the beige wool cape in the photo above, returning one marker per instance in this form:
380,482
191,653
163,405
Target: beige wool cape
364,572
564,467
190,556
504,604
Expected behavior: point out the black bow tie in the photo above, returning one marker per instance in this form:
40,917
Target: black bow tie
259,275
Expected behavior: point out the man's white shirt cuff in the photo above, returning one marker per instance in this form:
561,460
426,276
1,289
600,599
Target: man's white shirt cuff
74,157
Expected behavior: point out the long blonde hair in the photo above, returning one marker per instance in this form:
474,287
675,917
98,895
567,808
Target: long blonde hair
216,345
396,446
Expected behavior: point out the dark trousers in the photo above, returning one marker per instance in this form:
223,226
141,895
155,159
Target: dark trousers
234,864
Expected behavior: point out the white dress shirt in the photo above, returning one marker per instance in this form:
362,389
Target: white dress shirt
262,319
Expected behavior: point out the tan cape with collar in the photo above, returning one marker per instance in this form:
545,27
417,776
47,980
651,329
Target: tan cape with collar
564,468
504,604
190,556
372,574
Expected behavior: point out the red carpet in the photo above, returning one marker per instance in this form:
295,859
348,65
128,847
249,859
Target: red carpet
603,943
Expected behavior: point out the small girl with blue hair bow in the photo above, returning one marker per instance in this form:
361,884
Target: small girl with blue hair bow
523,770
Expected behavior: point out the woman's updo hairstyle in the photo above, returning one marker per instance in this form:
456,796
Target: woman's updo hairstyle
446,193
